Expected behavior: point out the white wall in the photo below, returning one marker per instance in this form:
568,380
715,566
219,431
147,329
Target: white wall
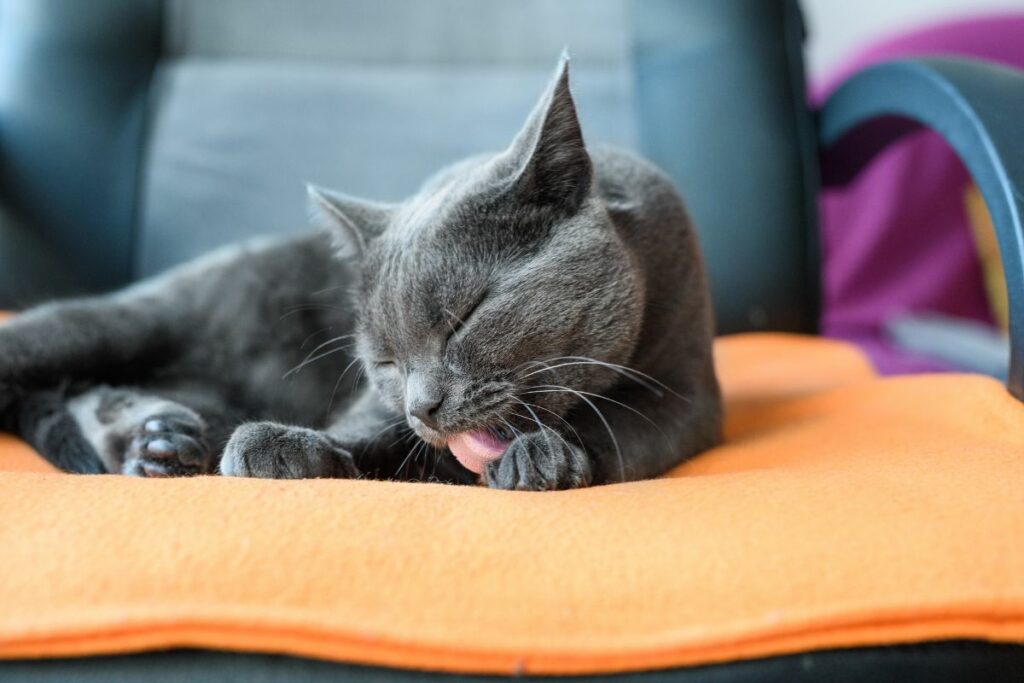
838,27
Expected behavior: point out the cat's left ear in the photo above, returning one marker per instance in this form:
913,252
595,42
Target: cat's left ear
551,161
351,222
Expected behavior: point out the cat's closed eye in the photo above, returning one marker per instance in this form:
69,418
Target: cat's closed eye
459,321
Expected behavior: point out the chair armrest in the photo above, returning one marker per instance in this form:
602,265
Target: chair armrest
978,108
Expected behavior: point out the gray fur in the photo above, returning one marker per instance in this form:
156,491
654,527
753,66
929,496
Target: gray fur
548,292
136,433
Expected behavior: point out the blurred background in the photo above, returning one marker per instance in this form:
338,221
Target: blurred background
136,134
838,29
901,278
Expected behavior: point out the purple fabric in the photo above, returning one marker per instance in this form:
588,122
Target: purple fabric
897,239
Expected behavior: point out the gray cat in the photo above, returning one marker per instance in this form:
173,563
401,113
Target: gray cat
537,318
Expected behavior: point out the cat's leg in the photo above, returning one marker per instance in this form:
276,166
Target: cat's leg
633,432
644,433
125,430
44,421
269,450
89,339
368,440
543,460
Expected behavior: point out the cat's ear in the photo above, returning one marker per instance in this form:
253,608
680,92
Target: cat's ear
551,163
351,222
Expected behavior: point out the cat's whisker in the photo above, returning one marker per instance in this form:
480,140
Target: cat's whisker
332,339
404,438
360,373
641,378
619,371
532,414
387,426
457,319
421,449
414,456
556,415
334,392
309,307
515,432
605,398
600,416
436,460
513,414
540,426
312,359
307,339
318,347
327,289
401,466
518,434
546,431
421,452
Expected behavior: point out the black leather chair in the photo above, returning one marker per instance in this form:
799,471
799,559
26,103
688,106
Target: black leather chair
135,134
138,134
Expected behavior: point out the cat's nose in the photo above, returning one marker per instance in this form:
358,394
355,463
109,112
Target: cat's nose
425,410
423,399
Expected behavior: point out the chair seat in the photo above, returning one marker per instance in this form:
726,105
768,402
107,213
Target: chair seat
843,510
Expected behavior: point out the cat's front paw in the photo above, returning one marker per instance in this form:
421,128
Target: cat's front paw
273,451
540,461
168,445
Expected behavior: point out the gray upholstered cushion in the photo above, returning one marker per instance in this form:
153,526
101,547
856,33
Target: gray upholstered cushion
233,140
258,96
249,98
420,32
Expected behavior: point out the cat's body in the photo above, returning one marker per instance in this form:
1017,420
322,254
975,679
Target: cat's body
544,302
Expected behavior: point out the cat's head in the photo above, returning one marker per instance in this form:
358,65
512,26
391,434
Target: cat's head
483,299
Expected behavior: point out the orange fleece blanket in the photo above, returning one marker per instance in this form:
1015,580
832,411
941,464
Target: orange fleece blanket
843,510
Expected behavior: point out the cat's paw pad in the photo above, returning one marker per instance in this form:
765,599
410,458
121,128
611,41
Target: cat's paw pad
273,451
540,461
168,445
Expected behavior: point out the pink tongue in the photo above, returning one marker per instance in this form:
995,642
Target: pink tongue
475,450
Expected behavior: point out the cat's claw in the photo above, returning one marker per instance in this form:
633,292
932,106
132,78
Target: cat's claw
268,450
168,446
540,461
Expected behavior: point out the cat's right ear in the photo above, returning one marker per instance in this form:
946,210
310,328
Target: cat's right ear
550,158
351,222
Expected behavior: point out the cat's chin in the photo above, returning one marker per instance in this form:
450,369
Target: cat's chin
431,436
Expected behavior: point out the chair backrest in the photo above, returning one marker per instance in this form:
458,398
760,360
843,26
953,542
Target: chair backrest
135,135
